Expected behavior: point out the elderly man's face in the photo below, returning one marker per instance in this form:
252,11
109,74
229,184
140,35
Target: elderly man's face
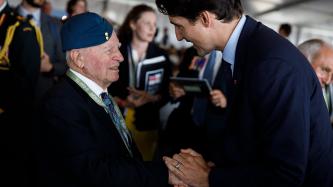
323,66
101,63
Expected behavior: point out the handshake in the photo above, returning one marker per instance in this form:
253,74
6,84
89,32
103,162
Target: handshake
188,168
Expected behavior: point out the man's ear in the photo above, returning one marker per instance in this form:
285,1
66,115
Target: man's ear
206,18
77,58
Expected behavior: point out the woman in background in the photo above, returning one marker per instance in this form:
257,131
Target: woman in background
141,105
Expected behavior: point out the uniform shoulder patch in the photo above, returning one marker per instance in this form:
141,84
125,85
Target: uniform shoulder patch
20,18
27,29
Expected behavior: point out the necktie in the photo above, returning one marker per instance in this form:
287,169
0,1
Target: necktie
227,80
200,104
117,120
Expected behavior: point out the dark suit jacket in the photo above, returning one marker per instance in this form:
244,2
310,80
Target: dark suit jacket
278,131
146,116
79,145
50,28
24,57
17,90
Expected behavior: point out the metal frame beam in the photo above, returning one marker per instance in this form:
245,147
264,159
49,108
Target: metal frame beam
281,6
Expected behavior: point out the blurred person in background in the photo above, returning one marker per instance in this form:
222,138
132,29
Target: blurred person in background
47,8
197,115
320,55
20,58
75,7
53,63
285,30
140,107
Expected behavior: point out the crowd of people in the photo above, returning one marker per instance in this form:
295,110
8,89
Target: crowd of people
78,109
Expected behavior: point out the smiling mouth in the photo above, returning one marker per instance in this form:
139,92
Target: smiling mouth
116,68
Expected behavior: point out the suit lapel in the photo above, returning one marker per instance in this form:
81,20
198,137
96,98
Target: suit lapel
103,117
244,41
242,54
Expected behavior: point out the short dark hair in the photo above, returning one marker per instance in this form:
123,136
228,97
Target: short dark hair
71,4
286,28
191,9
125,32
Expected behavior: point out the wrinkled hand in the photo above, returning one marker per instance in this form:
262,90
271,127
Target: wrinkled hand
46,65
218,98
190,167
176,91
138,98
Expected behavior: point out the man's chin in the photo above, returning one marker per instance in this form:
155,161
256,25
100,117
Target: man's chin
201,52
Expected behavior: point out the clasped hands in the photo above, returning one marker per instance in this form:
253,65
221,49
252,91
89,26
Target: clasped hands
188,168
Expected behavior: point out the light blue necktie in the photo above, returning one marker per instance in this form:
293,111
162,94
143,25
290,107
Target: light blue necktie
200,104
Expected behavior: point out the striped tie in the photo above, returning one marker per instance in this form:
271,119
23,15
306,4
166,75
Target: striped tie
117,119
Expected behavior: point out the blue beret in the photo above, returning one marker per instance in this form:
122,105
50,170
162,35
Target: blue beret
85,30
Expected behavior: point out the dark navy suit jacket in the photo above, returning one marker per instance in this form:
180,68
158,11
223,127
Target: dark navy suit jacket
78,145
278,131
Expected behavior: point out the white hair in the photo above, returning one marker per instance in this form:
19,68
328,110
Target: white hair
311,48
68,57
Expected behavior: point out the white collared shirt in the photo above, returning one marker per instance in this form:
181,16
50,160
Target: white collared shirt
91,84
36,14
229,51
3,6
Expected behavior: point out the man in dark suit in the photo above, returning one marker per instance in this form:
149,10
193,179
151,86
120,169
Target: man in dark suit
53,63
19,69
278,131
83,139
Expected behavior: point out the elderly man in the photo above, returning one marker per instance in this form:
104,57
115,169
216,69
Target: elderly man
83,137
320,55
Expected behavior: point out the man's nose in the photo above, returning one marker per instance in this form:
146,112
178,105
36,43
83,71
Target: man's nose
119,57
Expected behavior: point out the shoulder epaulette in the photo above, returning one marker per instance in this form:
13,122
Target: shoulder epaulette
4,59
20,18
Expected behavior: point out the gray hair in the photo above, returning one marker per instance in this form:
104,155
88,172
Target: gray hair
311,48
68,57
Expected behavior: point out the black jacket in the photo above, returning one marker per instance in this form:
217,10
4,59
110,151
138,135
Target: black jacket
78,145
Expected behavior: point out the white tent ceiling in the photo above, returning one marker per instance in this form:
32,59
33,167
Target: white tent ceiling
316,13
309,14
